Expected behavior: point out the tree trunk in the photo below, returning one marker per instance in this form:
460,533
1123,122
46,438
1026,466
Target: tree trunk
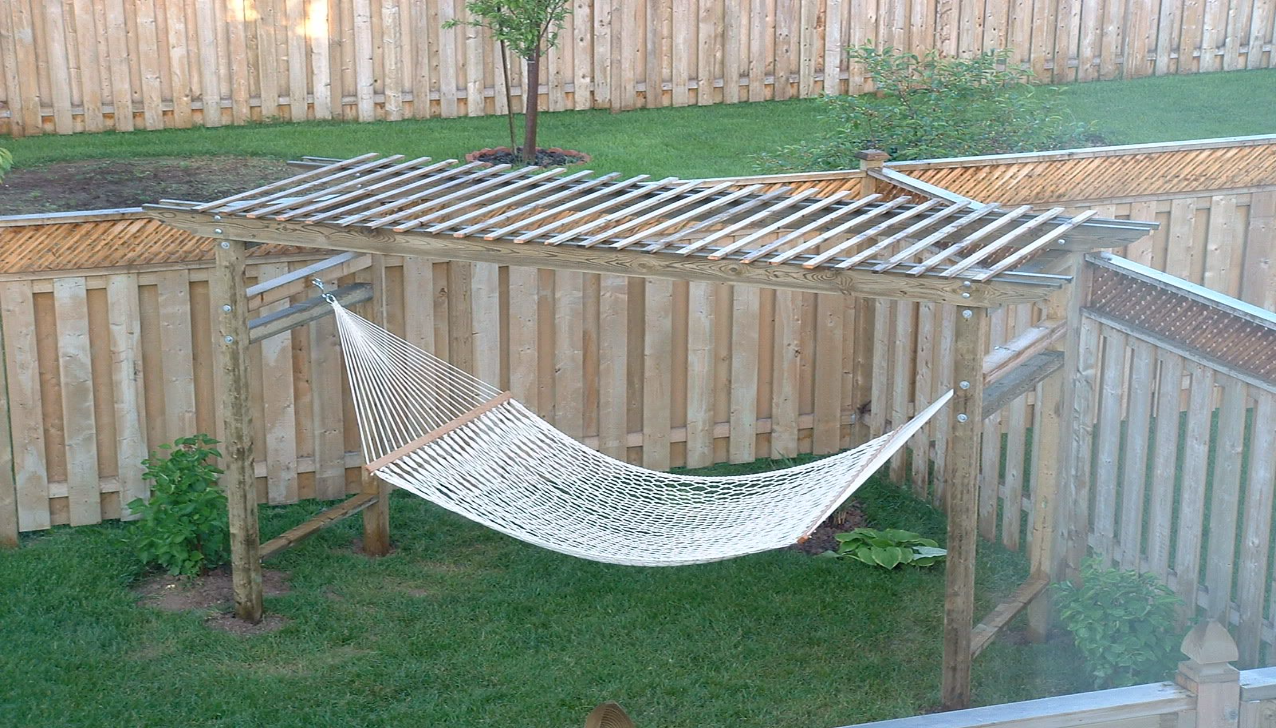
531,92
509,97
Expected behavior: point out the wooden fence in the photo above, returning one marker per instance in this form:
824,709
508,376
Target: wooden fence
90,65
104,366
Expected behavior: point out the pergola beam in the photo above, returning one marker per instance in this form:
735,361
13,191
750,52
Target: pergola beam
1017,288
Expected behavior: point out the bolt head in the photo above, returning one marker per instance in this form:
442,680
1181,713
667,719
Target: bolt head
226,308
225,244
230,339
964,294
219,232
962,417
967,313
217,217
964,384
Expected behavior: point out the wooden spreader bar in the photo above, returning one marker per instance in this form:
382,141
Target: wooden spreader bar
300,314
433,435
302,531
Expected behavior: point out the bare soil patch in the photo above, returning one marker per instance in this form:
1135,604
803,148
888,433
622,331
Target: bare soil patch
211,593
110,183
824,537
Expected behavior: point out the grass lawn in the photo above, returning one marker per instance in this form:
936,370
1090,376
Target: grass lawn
461,626
687,142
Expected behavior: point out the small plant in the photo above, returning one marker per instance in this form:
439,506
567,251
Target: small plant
183,526
1122,622
528,28
929,106
888,548
6,161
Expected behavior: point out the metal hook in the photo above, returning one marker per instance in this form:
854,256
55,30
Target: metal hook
318,283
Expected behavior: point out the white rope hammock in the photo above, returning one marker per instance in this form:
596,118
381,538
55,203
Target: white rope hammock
434,430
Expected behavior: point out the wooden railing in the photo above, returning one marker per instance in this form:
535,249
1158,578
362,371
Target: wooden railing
107,64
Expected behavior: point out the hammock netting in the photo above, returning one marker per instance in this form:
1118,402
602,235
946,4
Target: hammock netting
438,432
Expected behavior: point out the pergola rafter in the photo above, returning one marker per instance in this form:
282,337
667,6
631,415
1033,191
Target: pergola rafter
915,248
925,244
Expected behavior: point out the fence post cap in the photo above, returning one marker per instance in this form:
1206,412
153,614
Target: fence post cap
874,156
1209,643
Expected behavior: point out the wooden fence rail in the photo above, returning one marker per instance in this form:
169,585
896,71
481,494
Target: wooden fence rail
91,65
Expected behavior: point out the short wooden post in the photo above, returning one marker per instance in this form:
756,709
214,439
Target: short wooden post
970,344
870,159
376,518
1208,674
237,443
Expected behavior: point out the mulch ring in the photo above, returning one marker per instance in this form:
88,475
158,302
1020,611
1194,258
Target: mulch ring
847,518
552,157
213,594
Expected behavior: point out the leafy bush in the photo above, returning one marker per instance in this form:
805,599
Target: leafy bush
184,526
888,548
6,161
929,106
1123,623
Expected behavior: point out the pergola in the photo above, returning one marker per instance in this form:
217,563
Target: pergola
898,238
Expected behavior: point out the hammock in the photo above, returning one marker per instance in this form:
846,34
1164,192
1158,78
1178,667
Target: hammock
432,429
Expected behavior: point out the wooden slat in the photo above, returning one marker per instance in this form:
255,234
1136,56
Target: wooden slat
829,311
1252,580
1191,506
613,313
1135,445
569,354
656,391
1108,435
178,361
1164,455
785,375
78,420
129,387
701,365
744,374
1225,497
25,406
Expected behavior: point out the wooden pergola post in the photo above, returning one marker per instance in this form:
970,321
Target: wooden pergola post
237,445
376,517
970,344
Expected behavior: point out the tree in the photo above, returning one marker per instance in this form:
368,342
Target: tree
929,106
528,28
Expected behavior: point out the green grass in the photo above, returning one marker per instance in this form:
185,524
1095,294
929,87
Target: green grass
461,626
687,142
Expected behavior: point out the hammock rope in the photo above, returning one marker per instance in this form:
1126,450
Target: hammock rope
438,432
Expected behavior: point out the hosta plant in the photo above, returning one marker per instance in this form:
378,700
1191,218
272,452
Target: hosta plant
183,526
887,548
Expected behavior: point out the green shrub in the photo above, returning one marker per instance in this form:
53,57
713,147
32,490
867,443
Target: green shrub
888,548
1122,622
6,161
929,106
183,526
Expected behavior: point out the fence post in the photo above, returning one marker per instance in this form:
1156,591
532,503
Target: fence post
1208,674
870,159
